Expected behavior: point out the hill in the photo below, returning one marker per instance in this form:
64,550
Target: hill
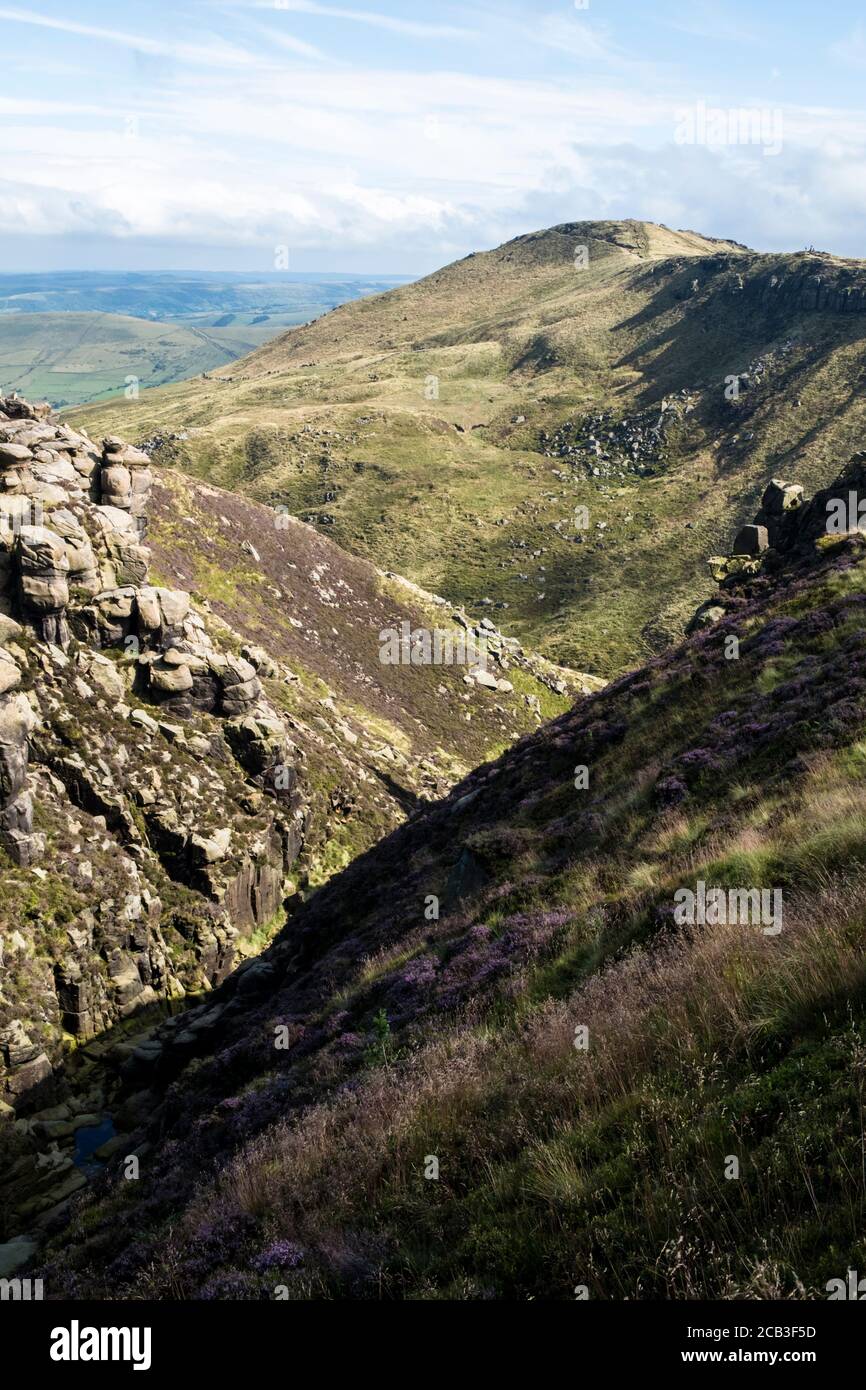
168,785
451,427
506,1055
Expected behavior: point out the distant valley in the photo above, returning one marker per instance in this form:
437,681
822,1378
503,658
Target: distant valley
82,336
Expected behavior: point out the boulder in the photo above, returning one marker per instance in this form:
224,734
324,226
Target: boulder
173,606
169,679
237,699
13,454
259,658
9,629
10,674
208,849
706,615
780,497
105,675
161,609
233,670
83,572
115,486
483,678
261,744
43,567
751,540
141,717
142,482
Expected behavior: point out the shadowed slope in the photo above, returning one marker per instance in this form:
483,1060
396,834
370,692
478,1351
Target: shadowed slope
408,1105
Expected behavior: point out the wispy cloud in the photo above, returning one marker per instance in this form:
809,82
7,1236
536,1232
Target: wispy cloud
573,36
714,20
411,28
218,54
287,42
851,51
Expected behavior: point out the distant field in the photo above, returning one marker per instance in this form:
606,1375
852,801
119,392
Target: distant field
74,338
72,358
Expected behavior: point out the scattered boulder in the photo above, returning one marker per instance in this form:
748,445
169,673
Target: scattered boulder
751,540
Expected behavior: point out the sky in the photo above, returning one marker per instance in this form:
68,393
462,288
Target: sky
260,135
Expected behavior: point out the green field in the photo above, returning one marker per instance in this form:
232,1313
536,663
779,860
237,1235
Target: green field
76,337
71,358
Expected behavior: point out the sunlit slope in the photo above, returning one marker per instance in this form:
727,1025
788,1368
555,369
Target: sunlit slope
449,428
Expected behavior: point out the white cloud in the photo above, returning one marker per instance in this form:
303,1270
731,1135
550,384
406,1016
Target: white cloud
713,19
420,165
287,42
356,165
217,54
411,28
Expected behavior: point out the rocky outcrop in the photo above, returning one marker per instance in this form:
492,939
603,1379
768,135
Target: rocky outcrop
16,803
756,545
789,527
72,517
829,288
150,806
603,445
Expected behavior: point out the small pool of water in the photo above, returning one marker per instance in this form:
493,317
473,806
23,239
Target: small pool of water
87,1140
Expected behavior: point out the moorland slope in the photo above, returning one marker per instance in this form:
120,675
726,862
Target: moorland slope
449,428
490,1060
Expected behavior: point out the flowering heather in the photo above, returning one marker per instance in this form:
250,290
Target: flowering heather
699,760
484,955
700,766
232,1287
283,1253
670,791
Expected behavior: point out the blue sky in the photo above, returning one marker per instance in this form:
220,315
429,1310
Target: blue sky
396,136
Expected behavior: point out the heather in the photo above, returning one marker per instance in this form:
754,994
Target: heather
411,1038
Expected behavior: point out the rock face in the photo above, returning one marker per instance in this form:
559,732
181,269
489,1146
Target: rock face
789,526
831,289
16,803
72,517
150,808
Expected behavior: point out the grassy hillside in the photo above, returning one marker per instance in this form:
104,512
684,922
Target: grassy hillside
158,825
377,739
449,428
436,1124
